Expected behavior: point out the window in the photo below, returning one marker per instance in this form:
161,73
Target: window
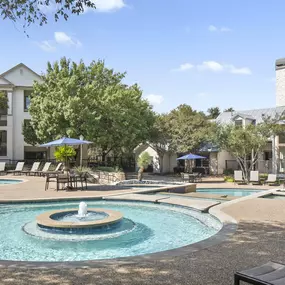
238,123
267,155
27,96
3,143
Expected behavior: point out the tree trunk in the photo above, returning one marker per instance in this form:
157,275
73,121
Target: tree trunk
140,174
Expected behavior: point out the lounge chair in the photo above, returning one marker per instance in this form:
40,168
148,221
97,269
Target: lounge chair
271,179
57,169
254,177
34,169
270,273
238,176
18,169
2,167
44,170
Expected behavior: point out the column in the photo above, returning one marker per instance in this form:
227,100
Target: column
10,103
275,154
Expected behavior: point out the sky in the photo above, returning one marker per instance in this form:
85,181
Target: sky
204,53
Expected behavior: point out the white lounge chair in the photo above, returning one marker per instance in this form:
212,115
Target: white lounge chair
44,170
34,169
2,167
18,169
254,177
238,176
271,179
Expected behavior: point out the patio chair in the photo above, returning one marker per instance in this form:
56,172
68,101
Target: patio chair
185,177
44,170
270,273
271,179
254,177
57,169
35,168
18,169
238,176
2,167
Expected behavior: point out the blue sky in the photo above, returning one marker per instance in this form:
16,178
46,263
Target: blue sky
203,53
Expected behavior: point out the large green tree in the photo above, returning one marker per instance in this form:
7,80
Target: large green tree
214,112
187,129
33,11
245,143
90,100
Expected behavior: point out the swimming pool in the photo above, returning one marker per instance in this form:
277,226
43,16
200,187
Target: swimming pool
10,181
227,191
148,228
274,196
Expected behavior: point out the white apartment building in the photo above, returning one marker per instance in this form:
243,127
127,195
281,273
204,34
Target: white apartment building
17,83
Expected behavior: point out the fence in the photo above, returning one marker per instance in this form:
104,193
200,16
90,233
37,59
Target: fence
126,163
264,166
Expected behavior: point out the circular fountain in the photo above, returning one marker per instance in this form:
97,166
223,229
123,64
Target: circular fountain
78,221
61,232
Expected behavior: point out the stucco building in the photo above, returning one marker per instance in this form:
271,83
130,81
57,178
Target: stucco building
17,84
270,160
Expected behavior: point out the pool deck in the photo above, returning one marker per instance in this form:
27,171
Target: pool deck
260,237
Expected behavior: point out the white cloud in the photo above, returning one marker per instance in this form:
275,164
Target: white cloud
47,46
215,66
184,67
213,28
242,70
107,5
225,29
64,39
210,65
154,99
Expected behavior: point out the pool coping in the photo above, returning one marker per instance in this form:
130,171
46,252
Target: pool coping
229,226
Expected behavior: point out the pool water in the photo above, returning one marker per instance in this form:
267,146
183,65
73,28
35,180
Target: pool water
275,196
156,228
228,191
10,181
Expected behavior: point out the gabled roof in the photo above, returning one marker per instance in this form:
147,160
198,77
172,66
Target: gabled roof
255,114
242,115
5,82
17,66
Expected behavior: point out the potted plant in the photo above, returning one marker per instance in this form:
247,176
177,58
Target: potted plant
64,154
143,162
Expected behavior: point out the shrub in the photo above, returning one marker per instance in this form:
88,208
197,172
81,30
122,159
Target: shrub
228,172
64,153
105,169
228,179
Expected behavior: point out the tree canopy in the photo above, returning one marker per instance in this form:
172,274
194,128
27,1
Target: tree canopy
184,129
33,11
230,109
90,100
214,112
244,143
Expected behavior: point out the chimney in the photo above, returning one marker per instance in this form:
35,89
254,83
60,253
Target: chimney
280,82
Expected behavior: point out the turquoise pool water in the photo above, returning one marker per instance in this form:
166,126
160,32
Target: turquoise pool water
154,228
228,191
275,197
10,181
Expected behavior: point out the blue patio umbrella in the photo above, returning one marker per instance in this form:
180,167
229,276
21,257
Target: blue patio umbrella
64,142
190,156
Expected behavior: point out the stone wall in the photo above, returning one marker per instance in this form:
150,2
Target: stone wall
104,177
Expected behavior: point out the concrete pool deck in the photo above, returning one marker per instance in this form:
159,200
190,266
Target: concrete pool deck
260,237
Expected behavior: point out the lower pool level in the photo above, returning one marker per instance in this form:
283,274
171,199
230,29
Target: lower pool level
146,228
228,191
10,181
